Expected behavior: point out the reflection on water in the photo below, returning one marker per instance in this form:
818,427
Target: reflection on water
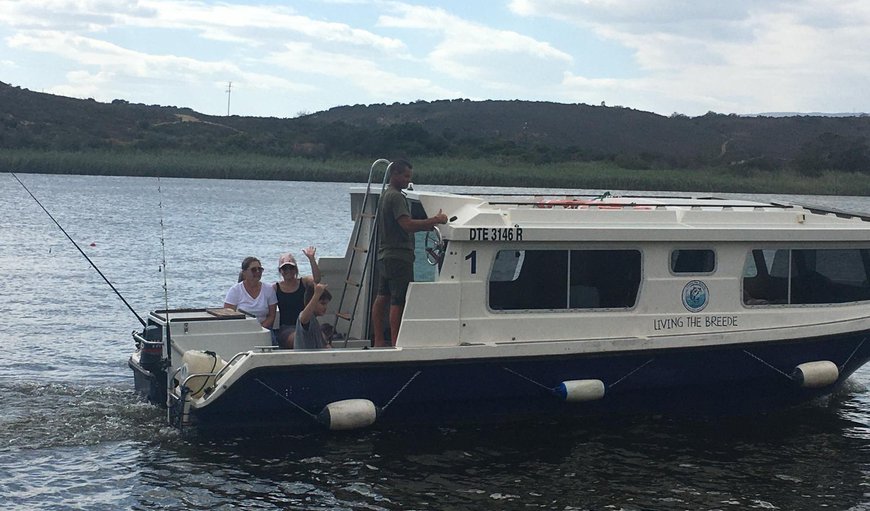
73,437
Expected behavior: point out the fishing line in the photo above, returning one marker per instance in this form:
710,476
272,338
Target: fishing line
80,250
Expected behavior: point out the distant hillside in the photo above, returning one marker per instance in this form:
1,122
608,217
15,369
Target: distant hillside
533,132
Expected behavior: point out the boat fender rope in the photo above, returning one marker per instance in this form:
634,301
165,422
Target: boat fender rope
555,390
852,354
285,398
636,369
551,390
384,409
790,377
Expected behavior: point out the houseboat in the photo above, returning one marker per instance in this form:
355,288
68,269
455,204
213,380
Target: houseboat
534,306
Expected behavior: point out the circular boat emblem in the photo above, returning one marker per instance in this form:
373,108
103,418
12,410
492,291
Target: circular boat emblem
695,296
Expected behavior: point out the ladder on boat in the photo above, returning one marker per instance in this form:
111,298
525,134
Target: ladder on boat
361,247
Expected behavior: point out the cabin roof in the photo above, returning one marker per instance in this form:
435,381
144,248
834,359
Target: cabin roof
556,217
627,218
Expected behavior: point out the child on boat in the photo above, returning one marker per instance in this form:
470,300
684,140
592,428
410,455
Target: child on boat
309,335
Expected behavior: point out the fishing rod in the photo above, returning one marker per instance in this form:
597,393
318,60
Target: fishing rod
165,285
80,250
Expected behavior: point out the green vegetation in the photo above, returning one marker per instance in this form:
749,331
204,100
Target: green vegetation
432,170
178,163
461,142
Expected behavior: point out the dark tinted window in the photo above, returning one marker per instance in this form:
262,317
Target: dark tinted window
693,261
561,279
529,279
829,276
806,276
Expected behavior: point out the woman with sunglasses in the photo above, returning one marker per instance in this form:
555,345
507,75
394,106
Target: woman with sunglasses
290,291
250,295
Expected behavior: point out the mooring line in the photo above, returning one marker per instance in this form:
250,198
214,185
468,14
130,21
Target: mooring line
548,389
80,250
853,353
285,398
400,391
636,369
768,365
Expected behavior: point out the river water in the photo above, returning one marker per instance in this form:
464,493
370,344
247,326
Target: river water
73,436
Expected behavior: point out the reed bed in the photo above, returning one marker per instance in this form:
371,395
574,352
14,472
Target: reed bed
439,170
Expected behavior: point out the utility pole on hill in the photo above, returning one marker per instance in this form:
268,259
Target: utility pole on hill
229,91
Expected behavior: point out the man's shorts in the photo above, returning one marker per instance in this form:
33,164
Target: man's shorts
393,280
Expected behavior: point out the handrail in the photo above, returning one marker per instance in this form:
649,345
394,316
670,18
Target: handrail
355,243
217,375
198,375
232,361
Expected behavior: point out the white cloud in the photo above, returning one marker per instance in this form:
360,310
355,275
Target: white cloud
116,64
739,56
472,51
360,73
257,24
253,24
678,55
88,15
99,53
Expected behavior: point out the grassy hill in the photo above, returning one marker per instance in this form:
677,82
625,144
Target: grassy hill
47,133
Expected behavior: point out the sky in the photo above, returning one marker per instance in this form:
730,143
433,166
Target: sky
292,57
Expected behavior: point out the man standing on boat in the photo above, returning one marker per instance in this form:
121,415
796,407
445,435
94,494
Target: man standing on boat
396,230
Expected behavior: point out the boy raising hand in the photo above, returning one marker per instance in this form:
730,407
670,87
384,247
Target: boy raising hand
308,333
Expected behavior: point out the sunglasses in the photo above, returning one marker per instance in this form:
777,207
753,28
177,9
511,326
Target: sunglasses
288,267
256,269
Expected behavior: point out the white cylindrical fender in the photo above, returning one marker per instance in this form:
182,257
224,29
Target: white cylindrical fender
200,362
580,390
820,373
348,414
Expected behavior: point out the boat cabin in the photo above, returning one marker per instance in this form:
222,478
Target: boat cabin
507,268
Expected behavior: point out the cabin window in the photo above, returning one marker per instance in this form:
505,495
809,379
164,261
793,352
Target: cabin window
529,279
765,277
563,279
693,261
806,276
829,276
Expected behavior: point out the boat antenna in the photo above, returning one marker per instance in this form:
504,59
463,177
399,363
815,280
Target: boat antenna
80,250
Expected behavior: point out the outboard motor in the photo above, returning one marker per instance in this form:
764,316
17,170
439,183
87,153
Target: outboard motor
151,350
151,360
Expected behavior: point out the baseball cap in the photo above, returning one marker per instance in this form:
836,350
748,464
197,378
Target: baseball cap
286,259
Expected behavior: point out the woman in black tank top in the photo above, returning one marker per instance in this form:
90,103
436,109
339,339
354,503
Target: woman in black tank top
291,294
